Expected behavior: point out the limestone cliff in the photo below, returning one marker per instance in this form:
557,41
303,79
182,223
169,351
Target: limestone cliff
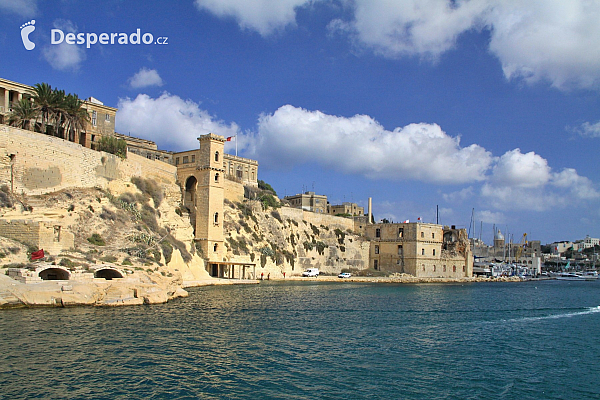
279,240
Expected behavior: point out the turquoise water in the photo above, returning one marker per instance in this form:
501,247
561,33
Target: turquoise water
317,340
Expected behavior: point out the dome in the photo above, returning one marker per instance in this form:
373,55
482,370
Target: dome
499,235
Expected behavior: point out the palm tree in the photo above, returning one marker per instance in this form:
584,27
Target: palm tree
43,97
22,113
75,116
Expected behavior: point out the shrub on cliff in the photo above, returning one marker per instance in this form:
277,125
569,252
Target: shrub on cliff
149,188
96,240
112,145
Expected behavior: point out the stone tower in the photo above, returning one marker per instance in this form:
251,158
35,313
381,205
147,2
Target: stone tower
209,196
203,188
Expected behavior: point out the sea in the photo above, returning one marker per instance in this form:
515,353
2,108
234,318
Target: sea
315,340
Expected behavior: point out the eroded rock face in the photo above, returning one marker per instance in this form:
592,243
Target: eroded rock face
278,244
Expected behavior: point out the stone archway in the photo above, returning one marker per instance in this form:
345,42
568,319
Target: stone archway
54,274
108,274
189,198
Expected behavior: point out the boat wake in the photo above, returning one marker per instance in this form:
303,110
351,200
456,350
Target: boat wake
591,310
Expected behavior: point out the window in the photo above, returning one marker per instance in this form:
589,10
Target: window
454,268
217,177
463,268
433,235
434,252
444,268
375,264
423,267
400,232
94,118
193,157
186,159
216,218
376,249
422,234
377,232
216,156
422,252
215,247
107,117
434,268
176,160
400,250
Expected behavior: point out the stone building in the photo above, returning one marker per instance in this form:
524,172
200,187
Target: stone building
420,249
309,201
101,118
352,209
239,169
145,148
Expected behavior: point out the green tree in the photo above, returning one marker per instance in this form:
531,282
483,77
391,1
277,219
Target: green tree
265,186
22,113
111,144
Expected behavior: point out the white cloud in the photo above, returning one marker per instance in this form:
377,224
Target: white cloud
526,182
173,123
24,8
521,170
587,130
361,145
64,56
490,217
415,27
535,40
553,40
145,77
459,196
263,16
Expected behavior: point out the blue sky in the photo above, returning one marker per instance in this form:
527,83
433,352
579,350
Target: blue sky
489,105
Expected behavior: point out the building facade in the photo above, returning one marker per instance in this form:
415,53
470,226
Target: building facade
352,209
101,118
420,249
239,169
309,201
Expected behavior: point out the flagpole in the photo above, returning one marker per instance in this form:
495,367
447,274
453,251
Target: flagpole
236,145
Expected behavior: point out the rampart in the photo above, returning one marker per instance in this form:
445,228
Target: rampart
33,164
317,218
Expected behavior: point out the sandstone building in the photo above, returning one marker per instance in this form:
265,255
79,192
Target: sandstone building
101,118
309,201
420,249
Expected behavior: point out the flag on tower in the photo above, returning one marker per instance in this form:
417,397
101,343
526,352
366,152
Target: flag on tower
230,138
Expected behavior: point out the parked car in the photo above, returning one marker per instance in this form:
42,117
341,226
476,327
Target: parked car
311,272
345,275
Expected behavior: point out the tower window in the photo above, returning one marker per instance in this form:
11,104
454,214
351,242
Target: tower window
216,218
216,156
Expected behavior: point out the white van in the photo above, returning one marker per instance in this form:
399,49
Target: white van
311,272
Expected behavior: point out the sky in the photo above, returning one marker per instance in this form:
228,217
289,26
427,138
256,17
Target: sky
486,110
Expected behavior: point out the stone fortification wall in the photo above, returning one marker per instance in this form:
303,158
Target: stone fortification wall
317,218
33,164
234,191
52,238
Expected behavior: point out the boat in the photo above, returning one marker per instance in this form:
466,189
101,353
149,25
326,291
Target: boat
574,276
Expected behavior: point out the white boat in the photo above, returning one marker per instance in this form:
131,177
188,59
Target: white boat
573,276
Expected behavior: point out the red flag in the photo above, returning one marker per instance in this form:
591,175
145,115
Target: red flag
230,138
36,255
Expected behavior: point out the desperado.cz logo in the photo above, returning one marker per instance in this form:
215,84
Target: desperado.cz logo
57,36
